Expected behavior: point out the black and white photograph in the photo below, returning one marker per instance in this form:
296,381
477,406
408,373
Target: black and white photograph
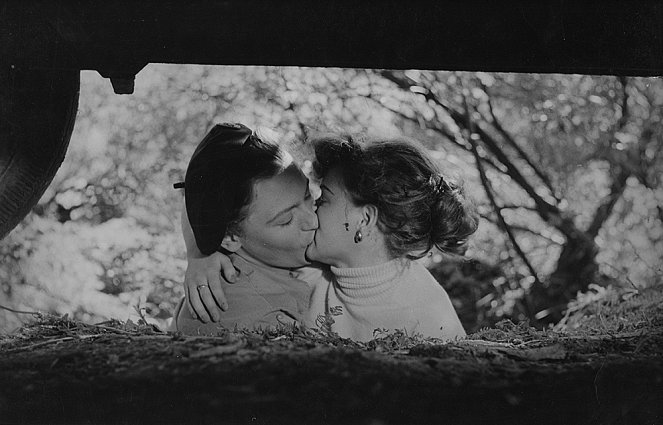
296,212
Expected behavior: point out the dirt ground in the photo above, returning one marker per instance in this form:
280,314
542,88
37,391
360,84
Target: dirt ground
62,371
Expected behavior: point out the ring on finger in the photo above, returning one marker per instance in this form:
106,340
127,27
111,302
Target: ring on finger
202,286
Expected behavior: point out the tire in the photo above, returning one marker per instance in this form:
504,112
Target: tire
37,114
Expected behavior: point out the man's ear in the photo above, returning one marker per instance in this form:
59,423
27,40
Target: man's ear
369,216
231,243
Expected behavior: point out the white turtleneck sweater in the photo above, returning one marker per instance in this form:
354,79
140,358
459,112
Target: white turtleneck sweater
399,294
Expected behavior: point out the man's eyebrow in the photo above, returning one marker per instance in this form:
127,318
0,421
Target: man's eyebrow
322,186
285,210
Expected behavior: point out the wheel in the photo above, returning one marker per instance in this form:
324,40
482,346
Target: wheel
37,115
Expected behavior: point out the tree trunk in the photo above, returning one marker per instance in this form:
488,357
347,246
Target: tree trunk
576,270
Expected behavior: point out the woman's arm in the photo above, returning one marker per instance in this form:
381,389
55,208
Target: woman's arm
202,281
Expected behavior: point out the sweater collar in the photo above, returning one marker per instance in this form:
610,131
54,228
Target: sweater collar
368,283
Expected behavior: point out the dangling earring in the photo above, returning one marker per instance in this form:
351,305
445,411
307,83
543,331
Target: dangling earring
358,236
347,226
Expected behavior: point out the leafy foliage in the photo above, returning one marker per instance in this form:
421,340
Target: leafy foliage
104,238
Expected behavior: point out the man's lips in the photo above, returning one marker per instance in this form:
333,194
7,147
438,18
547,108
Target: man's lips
315,236
312,242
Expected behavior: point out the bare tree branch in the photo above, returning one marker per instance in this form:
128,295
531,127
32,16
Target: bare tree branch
440,130
510,140
515,207
546,210
491,197
607,152
625,111
520,228
622,171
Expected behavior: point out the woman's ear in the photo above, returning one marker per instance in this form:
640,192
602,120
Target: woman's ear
231,243
369,216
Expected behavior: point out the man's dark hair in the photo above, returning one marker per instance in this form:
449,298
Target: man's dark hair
219,181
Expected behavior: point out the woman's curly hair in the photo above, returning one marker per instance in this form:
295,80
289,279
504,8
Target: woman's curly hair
418,208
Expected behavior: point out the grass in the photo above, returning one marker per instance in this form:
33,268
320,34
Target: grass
601,312
603,362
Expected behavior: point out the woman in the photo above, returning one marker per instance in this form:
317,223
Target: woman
382,206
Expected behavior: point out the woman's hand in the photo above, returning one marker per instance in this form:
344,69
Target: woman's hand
202,285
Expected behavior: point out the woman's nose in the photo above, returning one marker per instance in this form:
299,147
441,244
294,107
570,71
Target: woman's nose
310,220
